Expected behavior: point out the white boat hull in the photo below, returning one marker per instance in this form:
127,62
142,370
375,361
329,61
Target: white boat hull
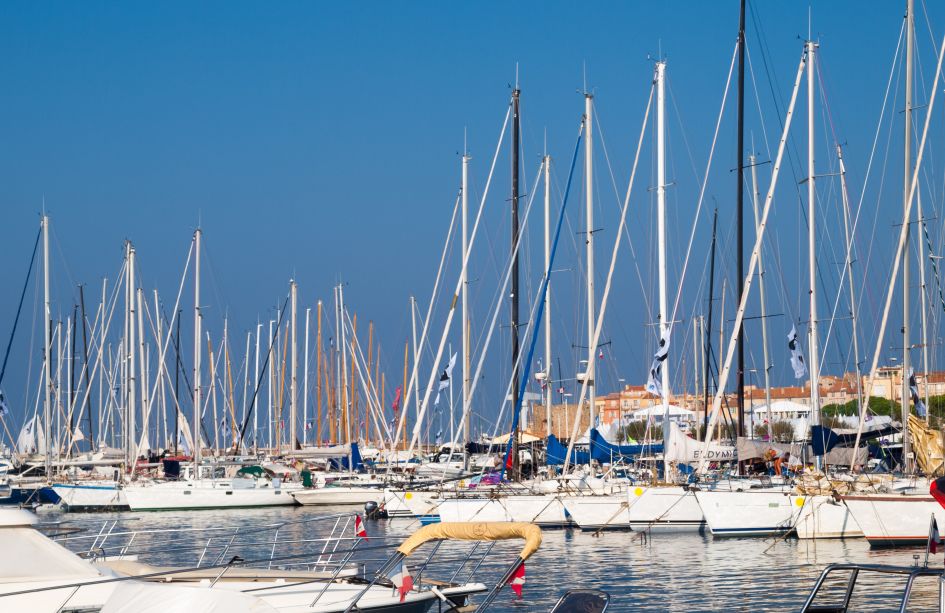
338,496
546,511
823,517
184,495
660,509
750,513
890,520
92,496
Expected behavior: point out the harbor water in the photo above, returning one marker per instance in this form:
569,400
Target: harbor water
656,572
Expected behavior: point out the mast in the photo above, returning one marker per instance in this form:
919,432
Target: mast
256,393
812,247
465,309
515,274
761,286
47,342
318,372
907,187
548,391
708,333
416,360
346,416
664,315
197,353
740,222
849,264
85,363
308,314
293,396
589,251
130,442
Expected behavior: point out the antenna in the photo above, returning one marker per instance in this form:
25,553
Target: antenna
516,75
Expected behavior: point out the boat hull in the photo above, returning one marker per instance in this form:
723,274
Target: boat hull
824,517
750,513
548,511
891,520
338,496
656,509
179,496
91,497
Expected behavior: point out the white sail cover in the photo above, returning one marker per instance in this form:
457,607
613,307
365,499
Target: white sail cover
685,450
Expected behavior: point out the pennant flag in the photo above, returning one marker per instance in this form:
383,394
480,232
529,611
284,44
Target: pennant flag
4,408
654,382
934,537
600,356
445,378
359,530
517,580
396,406
561,390
797,359
77,435
920,408
402,581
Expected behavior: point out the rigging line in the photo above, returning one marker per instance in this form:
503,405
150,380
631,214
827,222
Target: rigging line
19,308
705,180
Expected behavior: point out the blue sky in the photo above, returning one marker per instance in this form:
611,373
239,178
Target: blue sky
321,141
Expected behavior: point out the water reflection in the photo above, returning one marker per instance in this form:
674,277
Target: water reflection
683,572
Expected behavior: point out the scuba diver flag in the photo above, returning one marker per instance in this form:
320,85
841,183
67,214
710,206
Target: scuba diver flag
920,408
517,580
654,382
359,530
402,581
797,358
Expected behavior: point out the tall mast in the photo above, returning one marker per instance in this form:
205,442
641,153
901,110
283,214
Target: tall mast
293,396
739,209
338,372
589,251
255,406
547,169
812,247
130,442
706,361
47,342
465,314
907,187
318,375
761,287
515,232
197,353
664,316
308,316
416,360
848,242
344,370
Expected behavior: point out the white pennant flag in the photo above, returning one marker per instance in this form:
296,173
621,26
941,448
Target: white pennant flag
797,358
445,378
654,382
77,435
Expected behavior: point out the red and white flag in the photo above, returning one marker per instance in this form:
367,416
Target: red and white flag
517,581
359,530
402,581
934,537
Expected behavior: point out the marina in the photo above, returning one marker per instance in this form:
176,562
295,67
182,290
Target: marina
404,308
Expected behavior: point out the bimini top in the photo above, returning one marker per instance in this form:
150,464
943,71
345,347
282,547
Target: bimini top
476,531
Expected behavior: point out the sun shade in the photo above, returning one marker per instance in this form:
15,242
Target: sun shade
477,531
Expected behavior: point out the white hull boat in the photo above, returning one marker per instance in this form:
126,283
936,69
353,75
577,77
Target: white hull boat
750,513
209,494
824,517
889,520
92,496
548,510
659,509
338,495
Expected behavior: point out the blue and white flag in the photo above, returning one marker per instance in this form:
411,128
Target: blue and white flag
445,377
654,382
920,408
4,408
797,358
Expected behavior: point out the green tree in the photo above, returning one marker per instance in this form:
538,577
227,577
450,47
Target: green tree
782,431
637,430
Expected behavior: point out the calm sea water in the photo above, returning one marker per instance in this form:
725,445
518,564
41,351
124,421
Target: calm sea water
665,572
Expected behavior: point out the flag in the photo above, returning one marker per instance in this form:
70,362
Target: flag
934,537
920,408
359,530
396,405
600,356
654,382
517,580
402,581
77,435
797,359
182,443
224,429
4,408
445,378
561,390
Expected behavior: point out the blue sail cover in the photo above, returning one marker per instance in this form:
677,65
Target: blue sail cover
555,453
342,462
608,453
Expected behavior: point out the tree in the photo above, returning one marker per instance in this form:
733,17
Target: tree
782,431
637,430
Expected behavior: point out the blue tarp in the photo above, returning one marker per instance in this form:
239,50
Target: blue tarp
605,452
342,462
555,453
824,439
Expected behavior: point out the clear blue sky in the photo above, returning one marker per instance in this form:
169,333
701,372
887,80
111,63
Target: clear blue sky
320,141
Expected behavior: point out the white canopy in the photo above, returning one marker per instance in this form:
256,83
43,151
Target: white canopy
657,412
